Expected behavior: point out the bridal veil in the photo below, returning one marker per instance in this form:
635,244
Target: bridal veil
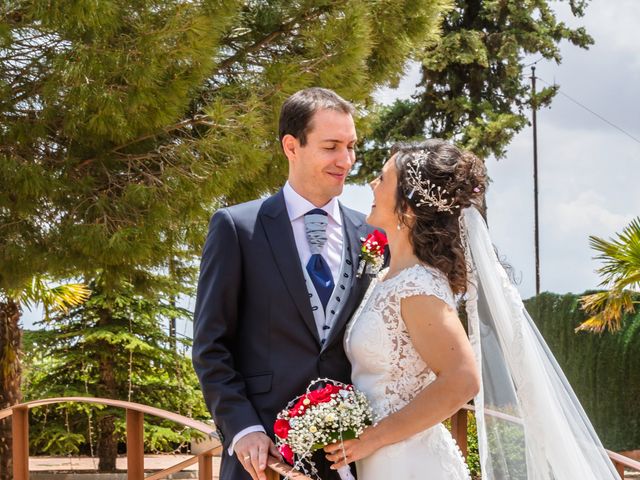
530,423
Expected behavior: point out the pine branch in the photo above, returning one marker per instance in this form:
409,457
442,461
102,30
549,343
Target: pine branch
263,42
190,122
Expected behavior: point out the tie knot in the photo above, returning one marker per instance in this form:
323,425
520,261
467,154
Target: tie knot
316,211
315,222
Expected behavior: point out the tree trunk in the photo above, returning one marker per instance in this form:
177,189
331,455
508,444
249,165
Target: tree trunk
107,447
172,302
107,444
10,393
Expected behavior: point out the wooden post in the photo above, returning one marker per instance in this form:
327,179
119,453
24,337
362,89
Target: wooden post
205,466
619,468
20,442
459,430
135,445
271,474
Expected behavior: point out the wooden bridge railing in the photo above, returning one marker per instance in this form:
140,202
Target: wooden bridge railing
459,432
135,440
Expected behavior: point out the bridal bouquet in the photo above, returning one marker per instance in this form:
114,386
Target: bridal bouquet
329,414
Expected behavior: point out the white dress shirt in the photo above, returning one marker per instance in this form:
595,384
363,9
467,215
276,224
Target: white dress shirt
297,207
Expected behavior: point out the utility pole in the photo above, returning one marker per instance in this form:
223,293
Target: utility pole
534,107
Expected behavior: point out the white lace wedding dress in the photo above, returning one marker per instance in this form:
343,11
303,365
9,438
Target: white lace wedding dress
390,372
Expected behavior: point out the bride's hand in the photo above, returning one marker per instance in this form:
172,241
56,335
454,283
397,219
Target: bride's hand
352,450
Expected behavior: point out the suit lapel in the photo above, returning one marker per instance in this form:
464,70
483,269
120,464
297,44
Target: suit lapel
355,229
277,227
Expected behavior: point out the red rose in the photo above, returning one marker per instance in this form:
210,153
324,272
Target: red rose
287,453
281,428
335,389
375,242
321,395
381,238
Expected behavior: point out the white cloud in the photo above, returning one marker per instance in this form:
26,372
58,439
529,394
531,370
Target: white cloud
586,213
615,24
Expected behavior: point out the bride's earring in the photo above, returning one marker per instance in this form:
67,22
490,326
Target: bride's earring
402,221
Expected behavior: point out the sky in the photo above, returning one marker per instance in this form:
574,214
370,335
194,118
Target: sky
588,170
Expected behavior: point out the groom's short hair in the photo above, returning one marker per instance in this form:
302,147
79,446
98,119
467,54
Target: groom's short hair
298,109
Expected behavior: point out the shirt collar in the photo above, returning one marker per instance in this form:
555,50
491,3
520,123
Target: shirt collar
297,205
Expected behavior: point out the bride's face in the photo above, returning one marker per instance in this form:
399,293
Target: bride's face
383,214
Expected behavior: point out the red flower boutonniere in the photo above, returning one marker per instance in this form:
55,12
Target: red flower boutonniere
372,253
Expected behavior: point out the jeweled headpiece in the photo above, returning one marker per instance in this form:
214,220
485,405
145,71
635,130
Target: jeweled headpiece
427,193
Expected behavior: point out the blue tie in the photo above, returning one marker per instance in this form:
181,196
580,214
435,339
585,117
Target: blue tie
315,222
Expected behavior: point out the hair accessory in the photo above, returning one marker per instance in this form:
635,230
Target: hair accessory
428,193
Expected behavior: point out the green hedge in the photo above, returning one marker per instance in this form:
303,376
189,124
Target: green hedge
603,369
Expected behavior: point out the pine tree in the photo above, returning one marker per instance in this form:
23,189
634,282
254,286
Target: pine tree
126,123
130,357
474,88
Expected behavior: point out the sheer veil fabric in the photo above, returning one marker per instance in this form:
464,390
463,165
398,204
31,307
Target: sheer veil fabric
541,431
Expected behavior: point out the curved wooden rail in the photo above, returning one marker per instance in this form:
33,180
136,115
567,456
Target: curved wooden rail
135,440
459,432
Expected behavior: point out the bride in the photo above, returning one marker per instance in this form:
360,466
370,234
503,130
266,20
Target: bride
413,359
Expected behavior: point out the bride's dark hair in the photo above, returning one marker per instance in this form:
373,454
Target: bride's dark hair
435,235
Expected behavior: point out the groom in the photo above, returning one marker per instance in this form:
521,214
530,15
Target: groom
278,283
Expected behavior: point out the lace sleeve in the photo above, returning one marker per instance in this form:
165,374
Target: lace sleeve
423,280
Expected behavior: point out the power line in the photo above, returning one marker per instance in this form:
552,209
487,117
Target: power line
533,63
592,112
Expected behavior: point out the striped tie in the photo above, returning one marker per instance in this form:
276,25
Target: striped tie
315,222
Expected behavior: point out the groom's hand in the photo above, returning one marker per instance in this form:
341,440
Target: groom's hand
252,451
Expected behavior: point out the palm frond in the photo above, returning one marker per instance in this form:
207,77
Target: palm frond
621,256
606,309
64,297
620,274
58,298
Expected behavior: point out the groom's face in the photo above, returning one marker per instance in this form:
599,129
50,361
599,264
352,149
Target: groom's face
318,169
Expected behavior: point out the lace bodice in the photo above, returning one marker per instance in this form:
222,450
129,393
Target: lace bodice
388,369
385,364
